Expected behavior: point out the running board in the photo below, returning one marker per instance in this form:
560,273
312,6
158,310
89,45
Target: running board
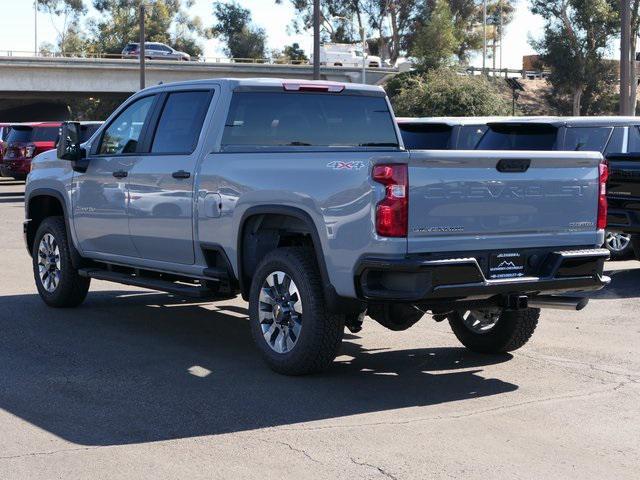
146,282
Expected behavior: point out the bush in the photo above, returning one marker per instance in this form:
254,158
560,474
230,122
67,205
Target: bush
444,92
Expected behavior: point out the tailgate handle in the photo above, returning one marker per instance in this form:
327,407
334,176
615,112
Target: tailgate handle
513,165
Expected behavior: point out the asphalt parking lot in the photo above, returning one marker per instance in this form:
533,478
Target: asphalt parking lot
136,384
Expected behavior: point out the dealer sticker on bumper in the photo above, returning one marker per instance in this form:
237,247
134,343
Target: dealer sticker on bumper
506,265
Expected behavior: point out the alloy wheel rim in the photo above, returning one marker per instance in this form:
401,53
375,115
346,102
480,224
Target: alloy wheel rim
280,312
481,322
617,242
49,268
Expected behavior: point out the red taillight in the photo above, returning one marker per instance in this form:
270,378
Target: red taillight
392,213
602,196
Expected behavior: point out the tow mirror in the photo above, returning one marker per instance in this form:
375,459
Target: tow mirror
69,142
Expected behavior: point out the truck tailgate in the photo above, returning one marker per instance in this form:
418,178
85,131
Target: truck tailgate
501,200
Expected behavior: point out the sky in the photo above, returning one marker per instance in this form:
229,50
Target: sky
17,28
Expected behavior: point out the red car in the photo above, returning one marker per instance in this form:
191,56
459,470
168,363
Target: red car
25,141
4,132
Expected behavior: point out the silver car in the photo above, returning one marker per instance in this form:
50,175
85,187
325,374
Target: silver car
154,51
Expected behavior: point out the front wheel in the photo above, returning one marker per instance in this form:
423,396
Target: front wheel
289,321
494,330
58,282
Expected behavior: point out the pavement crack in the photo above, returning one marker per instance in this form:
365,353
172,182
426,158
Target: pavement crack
51,452
292,448
612,388
375,467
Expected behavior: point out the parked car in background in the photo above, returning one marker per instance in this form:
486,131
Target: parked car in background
154,51
300,196
608,135
4,133
443,133
27,140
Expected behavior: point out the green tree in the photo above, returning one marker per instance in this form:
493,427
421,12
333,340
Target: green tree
444,92
576,37
234,26
437,42
166,21
69,13
293,53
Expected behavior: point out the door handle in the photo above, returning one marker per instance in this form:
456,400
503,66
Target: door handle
120,174
181,174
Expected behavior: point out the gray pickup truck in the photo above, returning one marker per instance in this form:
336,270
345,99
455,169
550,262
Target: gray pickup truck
300,196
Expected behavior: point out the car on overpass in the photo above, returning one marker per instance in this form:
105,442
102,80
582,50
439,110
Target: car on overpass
154,51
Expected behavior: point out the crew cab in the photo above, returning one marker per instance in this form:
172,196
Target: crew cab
300,196
612,136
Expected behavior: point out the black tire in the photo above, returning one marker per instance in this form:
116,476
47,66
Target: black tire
72,288
618,251
321,332
512,330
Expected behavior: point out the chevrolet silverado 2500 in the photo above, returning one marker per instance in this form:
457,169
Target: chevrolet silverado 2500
300,196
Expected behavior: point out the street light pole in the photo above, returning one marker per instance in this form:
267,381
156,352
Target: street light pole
501,26
484,36
625,61
35,24
141,49
363,35
316,39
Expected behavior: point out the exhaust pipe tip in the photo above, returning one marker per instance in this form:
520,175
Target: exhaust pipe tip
561,303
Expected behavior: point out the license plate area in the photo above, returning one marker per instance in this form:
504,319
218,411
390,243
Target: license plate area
506,265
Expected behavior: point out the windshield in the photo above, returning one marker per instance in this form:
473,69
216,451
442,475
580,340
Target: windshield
434,136
519,137
592,139
274,119
25,134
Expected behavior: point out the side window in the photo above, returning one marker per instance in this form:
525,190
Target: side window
123,134
634,139
181,122
617,140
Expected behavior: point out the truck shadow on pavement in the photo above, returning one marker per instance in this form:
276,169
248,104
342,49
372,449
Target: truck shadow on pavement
624,284
131,367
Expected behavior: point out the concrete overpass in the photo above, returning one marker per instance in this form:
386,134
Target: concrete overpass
36,88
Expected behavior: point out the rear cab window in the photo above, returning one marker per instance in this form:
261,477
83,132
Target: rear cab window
426,136
282,120
535,137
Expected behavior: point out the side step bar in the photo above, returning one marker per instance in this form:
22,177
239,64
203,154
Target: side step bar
147,282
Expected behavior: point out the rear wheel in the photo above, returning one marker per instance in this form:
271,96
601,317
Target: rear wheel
58,282
494,330
289,322
619,244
